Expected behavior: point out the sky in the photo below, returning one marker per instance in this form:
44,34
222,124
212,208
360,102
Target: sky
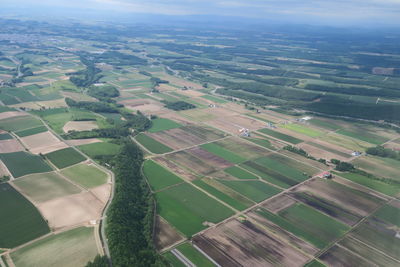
323,12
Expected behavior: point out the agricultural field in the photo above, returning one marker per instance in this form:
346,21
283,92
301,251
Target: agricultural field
86,175
162,124
281,136
73,248
158,177
188,209
45,186
65,157
228,176
22,163
20,221
151,144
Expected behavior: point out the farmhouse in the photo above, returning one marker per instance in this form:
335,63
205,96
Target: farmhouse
326,175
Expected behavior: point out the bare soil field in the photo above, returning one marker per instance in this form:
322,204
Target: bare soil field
43,143
78,96
356,202
305,160
176,169
10,145
320,153
209,158
58,103
10,114
78,142
233,124
191,93
243,148
80,126
102,192
288,237
164,234
340,257
191,162
71,210
198,115
143,105
359,187
279,203
180,82
177,138
176,117
166,87
392,145
248,245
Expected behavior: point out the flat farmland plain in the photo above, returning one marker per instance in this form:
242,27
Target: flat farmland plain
188,209
73,248
236,243
20,221
22,163
45,186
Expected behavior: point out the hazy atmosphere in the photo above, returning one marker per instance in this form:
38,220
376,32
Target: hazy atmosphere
323,12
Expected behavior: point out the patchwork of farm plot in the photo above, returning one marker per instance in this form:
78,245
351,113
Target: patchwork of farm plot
53,200
272,208
227,189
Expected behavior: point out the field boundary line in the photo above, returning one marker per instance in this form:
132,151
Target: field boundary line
373,248
356,254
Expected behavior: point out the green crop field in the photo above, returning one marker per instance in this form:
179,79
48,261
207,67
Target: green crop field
261,142
223,153
22,163
19,123
152,145
308,224
20,221
364,136
68,249
159,177
174,261
314,263
5,136
390,189
303,129
194,255
65,157
269,175
240,173
380,235
187,208
215,99
254,190
329,125
389,214
239,204
87,176
31,131
281,136
45,186
368,253
100,149
284,169
162,124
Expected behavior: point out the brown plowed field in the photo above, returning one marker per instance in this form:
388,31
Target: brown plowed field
249,245
356,202
10,145
165,235
209,158
43,143
191,162
10,114
288,237
71,210
176,169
